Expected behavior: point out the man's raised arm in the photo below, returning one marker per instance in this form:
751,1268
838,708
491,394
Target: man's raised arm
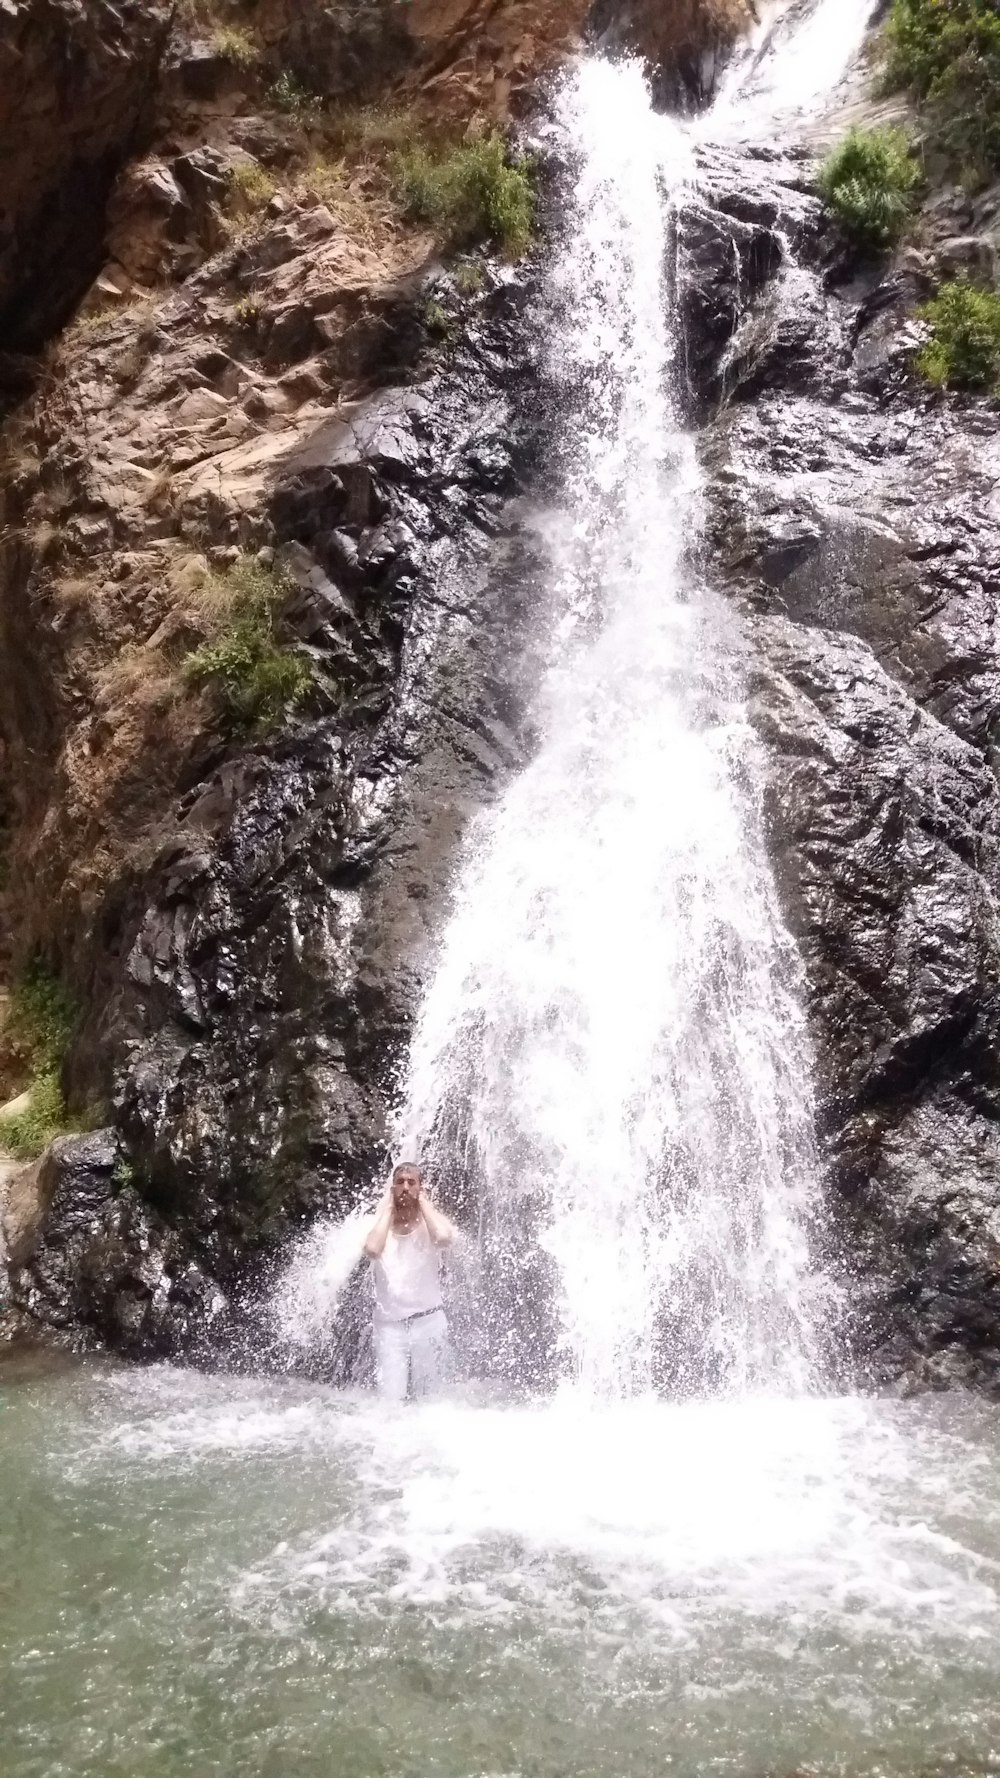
378,1234
440,1229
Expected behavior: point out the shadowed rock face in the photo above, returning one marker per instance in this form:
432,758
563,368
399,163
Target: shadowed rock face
685,42
77,84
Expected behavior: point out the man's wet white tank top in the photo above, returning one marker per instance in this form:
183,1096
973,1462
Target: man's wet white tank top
408,1275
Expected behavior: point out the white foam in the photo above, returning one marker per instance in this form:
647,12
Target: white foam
306,1296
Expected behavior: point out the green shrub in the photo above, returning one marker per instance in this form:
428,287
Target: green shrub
25,1133
472,192
236,45
40,1019
947,52
868,182
250,184
963,351
290,96
253,674
40,1022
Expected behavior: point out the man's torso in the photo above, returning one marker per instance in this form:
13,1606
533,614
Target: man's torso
407,1276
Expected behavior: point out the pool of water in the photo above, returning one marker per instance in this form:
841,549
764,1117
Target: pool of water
226,1578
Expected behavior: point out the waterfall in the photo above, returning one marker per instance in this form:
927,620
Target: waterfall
611,1056
610,1077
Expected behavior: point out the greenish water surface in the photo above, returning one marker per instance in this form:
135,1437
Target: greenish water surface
211,1576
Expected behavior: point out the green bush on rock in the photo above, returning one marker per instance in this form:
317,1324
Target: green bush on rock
868,182
39,1025
947,53
254,675
473,192
963,351
40,1018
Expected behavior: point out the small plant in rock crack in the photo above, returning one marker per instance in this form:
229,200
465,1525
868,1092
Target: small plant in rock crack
869,183
469,277
124,1176
288,95
437,319
963,351
247,311
254,674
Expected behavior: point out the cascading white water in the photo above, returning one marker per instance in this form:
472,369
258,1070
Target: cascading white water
791,62
612,1045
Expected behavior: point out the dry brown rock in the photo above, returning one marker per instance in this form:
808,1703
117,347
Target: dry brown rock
22,1209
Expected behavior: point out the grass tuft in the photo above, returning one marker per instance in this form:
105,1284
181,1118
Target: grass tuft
24,1134
470,193
374,129
250,185
963,351
254,675
869,182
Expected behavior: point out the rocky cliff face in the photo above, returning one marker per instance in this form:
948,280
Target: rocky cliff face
247,923
272,359
855,520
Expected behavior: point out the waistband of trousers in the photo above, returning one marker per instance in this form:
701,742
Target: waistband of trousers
405,1320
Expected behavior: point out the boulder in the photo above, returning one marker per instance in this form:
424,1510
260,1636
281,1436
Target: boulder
88,1258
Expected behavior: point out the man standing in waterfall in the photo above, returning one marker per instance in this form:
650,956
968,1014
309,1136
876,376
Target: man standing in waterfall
404,1246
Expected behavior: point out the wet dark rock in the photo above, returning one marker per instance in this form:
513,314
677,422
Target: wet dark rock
266,994
854,515
102,1267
